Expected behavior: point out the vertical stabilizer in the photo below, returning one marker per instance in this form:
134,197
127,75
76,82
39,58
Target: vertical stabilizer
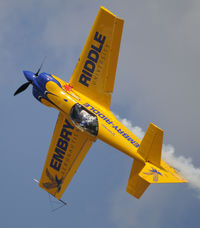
151,145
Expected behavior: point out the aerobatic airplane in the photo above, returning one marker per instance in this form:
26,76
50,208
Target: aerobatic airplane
85,116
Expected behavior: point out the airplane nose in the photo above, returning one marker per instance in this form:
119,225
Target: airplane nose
29,75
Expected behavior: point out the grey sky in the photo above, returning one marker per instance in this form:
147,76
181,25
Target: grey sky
157,80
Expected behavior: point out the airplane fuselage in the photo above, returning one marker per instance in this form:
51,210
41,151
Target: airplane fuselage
54,92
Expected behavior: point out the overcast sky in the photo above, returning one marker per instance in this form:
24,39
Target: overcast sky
157,80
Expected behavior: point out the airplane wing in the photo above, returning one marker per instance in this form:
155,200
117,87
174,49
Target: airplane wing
68,148
94,74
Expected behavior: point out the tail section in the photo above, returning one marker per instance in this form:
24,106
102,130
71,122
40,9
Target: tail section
154,170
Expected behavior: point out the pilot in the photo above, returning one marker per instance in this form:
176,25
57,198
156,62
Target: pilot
86,119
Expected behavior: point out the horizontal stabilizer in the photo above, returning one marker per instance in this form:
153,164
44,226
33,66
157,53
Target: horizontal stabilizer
142,175
163,174
136,184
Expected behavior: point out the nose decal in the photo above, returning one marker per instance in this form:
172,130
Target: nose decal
67,87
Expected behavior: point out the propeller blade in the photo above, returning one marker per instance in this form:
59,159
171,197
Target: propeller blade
22,88
37,73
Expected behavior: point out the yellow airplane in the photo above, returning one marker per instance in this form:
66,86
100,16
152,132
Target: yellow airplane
85,116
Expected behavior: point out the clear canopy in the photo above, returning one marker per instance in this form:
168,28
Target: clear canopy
84,119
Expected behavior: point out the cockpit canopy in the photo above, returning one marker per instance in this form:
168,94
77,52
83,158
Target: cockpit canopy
84,119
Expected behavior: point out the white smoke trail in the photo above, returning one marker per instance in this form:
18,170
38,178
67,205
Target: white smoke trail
182,164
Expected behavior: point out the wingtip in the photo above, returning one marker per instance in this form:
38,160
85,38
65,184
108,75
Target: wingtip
36,181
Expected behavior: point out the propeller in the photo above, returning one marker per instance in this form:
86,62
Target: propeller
37,73
29,76
22,88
